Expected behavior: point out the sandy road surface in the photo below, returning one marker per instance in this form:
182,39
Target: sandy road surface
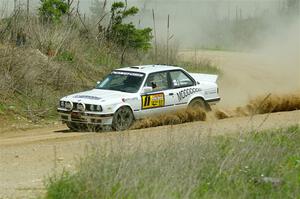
27,157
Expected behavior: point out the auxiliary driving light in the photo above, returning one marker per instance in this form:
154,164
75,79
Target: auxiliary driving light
69,105
61,104
81,107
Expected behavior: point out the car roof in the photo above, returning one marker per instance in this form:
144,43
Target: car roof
149,68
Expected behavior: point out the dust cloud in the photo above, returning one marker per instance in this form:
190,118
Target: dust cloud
255,43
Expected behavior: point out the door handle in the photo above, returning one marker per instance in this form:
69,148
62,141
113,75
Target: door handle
171,94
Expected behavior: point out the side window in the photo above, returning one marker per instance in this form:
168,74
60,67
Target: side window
179,79
158,81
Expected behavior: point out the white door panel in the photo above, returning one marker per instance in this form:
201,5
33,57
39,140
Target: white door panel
183,95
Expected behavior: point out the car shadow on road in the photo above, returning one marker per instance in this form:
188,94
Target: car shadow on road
83,131
65,131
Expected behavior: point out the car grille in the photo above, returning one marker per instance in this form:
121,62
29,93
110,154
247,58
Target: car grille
76,117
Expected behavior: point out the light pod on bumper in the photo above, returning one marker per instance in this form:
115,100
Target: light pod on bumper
81,107
62,104
69,105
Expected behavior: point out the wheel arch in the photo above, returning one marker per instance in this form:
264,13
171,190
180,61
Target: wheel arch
197,97
119,126
202,98
124,105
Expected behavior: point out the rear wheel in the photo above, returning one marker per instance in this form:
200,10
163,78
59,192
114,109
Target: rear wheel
199,103
122,119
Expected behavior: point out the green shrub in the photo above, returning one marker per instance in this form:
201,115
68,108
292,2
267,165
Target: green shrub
126,35
65,56
53,10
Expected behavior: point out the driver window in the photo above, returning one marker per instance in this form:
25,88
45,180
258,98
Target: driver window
179,79
158,81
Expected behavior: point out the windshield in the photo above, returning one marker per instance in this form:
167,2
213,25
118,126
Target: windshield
129,82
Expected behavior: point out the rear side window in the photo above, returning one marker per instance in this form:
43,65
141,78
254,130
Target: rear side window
158,81
180,79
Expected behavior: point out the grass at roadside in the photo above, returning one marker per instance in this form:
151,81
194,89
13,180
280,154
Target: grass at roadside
253,165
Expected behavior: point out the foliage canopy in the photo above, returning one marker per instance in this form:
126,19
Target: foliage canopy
53,10
126,35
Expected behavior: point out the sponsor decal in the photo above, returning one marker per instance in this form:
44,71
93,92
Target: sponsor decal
187,92
153,101
130,99
87,97
127,73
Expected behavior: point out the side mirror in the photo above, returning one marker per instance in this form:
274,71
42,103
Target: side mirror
147,89
97,84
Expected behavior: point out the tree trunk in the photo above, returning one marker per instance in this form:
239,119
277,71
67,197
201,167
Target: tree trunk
123,55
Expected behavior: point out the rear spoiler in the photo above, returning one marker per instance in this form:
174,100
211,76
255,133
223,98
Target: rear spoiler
204,77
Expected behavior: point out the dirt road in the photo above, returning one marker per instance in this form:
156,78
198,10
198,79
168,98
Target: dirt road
27,157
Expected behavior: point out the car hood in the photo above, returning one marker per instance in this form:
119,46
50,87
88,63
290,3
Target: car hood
96,96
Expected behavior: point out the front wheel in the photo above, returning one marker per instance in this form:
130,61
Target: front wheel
75,127
123,118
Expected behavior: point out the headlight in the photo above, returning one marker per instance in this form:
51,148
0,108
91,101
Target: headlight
69,105
61,104
81,107
94,108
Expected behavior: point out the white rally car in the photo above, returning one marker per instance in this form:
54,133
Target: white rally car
131,93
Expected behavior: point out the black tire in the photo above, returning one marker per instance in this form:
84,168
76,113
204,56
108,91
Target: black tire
123,119
199,103
75,127
93,128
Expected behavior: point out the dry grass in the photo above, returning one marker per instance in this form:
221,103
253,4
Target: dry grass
253,165
263,104
178,117
55,60
32,83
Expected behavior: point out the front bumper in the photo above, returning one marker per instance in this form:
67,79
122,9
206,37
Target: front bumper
85,117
